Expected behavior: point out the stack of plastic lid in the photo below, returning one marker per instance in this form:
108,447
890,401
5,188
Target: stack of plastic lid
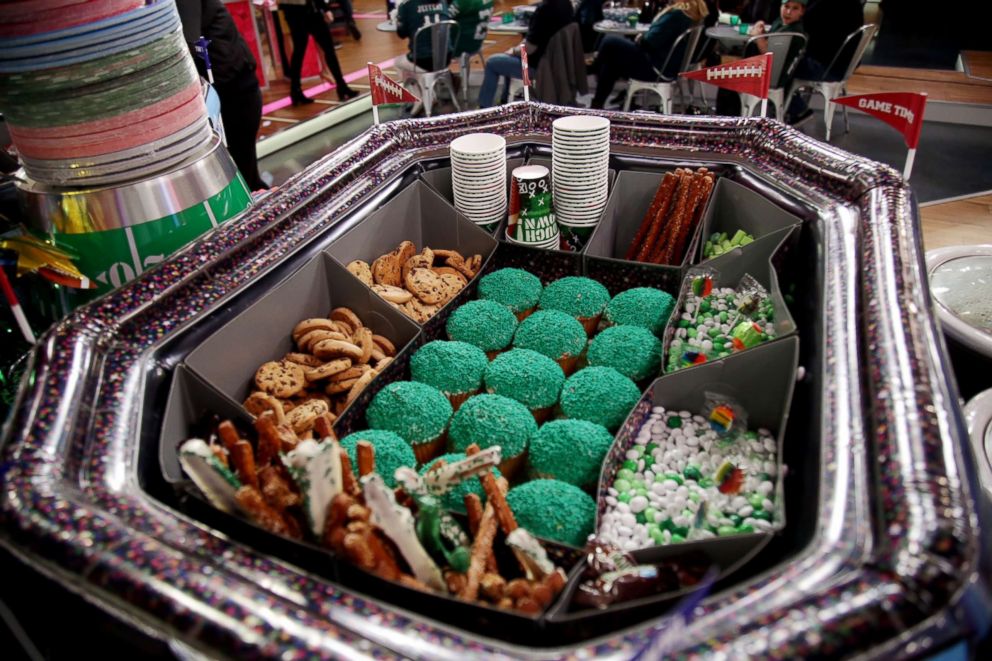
98,92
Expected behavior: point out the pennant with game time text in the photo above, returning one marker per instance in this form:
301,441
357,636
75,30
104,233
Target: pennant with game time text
752,75
385,90
903,110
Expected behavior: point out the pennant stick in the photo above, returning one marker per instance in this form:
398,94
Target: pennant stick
375,114
908,168
375,106
15,306
527,93
764,106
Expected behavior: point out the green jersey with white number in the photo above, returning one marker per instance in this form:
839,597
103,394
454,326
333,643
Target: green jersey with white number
473,22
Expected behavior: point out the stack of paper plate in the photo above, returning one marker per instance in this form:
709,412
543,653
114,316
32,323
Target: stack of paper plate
478,178
579,174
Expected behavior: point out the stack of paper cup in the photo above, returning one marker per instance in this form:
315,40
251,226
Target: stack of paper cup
580,162
531,218
478,178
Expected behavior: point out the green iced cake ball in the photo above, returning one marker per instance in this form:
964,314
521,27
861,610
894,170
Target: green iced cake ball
532,379
515,288
489,420
554,510
575,295
569,450
552,333
599,394
633,351
391,452
451,367
415,411
454,498
642,306
485,324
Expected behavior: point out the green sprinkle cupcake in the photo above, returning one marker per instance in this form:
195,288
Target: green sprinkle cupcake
641,306
515,288
454,368
569,450
485,324
583,298
391,452
416,412
531,378
489,420
454,498
554,510
633,351
557,335
599,394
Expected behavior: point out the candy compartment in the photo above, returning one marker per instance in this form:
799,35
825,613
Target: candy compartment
228,359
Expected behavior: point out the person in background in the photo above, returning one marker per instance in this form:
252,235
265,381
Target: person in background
311,18
753,11
410,17
619,58
549,17
790,19
233,68
472,17
587,14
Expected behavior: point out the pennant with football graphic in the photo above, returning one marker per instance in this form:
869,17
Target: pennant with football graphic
386,91
901,110
751,75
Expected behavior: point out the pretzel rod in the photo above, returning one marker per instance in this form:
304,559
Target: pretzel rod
647,222
667,188
337,517
696,207
244,463
349,483
228,435
473,507
496,496
366,458
324,424
269,444
674,219
385,562
275,489
481,548
253,504
673,251
358,551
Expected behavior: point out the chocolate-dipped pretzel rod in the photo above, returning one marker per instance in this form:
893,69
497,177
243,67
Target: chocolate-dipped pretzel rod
675,216
666,192
662,197
681,222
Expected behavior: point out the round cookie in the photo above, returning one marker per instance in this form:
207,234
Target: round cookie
633,351
530,378
646,307
583,298
554,510
515,288
599,394
489,420
454,498
485,324
555,334
569,450
391,452
416,412
282,379
454,368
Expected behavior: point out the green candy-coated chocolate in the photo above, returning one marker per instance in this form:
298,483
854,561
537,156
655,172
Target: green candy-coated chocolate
625,474
645,307
692,472
515,288
631,350
726,530
620,485
674,422
572,451
553,510
391,452
624,497
575,295
453,368
485,324
489,420
552,333
531,378
415,411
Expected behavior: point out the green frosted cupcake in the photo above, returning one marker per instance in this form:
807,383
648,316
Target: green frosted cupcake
583,298
485,324
454,368
515,288
489,420
599,394
569,450
554,510
641,306
454,498
633,351
531,378
555,334
416,412
391,452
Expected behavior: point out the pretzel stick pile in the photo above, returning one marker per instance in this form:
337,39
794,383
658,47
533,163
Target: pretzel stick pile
673,215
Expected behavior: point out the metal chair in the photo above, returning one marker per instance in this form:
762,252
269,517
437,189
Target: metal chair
465,65
779,45
442,35
666,86
833,84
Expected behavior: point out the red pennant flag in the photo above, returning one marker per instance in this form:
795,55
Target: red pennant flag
903,110
385,90
752,75
524,66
